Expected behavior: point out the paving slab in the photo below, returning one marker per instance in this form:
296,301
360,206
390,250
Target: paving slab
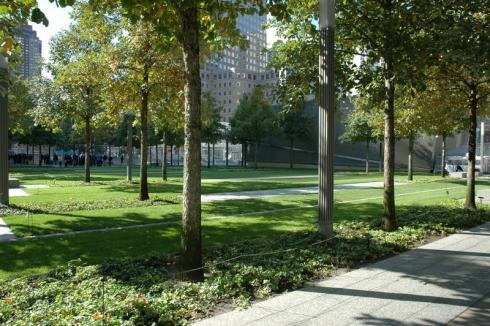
439,283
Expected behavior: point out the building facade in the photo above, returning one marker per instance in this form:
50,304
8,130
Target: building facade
31,53
236,72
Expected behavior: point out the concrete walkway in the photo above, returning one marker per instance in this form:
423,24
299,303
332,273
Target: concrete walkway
286,191
447,280
279,177
5,232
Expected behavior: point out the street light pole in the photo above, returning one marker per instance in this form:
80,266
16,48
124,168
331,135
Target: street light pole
326,114
4,134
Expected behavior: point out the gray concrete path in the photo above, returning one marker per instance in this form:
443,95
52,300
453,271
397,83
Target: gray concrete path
279,177
5,232
432,285
286,191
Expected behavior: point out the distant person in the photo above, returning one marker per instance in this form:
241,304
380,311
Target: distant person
122,159
110,160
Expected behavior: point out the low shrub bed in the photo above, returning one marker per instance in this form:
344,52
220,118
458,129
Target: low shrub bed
144,291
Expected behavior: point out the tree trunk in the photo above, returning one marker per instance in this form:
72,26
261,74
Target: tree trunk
27,151
227,152
256,147
110,155
209,155
88,145
191,213
4,131
367,156
49,153
410,157
144,137
171,155
245,153
156,154
380,165
40,155
129,150
443,157
470,190
164,159
150,156
291,153
214,158
389,216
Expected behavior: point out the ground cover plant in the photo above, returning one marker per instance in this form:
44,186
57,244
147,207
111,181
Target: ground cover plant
154,227
145,290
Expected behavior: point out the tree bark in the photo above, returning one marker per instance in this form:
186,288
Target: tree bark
214,158
129,150
227,151
410,157
164,158
191,213
4,131
256,151
470,185
367,156
144,137
40,155
110,155
88,145
172,155
291,153
380,164
389,216
156,155
443,157
209,155
150,154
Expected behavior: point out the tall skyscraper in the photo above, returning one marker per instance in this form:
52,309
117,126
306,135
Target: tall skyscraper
236,72
31,53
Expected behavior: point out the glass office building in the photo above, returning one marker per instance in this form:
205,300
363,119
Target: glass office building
236,72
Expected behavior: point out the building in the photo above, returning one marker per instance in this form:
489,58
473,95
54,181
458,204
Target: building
236,72
31,53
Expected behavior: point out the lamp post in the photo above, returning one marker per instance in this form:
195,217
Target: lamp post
4,134
326,114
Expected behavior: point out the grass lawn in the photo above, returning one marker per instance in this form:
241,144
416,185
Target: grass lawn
68,206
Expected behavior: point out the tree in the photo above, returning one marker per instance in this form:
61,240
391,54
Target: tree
78,72
144,64
442,111
295,125
254,120
392,38
359,129
212,130
192,23
408,122
463,57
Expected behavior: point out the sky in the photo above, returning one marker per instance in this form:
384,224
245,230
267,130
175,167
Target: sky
59,19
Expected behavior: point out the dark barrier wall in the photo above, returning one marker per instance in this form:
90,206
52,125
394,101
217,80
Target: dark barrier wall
275,151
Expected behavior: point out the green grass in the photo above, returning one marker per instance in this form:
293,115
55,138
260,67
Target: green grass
223,222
